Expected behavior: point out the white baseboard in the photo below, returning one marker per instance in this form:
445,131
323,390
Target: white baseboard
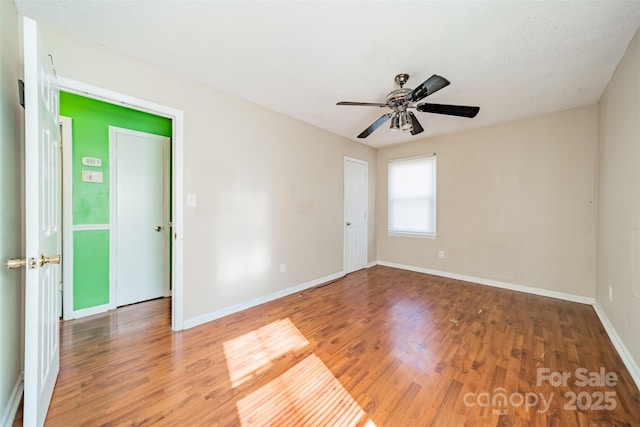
372,264
624,353
77,314
495,283
11,408
204,318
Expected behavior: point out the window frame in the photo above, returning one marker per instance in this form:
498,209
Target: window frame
417,234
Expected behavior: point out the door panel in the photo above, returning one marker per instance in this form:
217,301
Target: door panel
355,214
141,232
42,227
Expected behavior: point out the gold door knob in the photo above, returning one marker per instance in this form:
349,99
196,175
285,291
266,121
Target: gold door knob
13,263
158,228
55,259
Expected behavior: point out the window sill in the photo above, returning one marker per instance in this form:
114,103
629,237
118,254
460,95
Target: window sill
418,235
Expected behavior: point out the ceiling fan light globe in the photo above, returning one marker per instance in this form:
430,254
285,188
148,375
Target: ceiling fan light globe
395,123
405,122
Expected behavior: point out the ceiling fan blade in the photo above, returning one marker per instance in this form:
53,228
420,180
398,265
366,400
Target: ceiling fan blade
451,110
367,104
416,124
375,125
429,86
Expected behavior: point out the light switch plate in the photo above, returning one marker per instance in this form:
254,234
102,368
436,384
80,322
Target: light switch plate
191,200
91,176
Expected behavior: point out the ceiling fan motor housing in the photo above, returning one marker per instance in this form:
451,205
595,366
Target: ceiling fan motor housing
398,98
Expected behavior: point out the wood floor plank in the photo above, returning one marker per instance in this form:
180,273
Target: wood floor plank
380,347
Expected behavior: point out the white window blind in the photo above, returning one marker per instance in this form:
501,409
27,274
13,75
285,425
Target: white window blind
412,196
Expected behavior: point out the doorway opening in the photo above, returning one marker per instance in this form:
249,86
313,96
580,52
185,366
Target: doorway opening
93,231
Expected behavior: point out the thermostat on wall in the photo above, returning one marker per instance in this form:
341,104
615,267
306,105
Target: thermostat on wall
91,161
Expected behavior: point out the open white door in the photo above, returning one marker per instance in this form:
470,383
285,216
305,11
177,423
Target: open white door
42,226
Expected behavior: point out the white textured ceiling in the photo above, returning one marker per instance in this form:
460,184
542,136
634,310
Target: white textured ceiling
514,59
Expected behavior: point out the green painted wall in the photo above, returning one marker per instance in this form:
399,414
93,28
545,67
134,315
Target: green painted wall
91,121
91,285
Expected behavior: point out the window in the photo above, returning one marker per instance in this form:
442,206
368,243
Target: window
412,196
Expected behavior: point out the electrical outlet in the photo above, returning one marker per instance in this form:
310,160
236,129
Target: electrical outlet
283,268
441,254
610,293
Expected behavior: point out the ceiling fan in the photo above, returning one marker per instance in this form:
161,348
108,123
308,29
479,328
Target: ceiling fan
401,99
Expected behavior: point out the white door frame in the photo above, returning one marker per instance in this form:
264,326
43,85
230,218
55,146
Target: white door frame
177,144
66,132
366,219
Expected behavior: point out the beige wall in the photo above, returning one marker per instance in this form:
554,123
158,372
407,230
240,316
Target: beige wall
269,188
10,212
516,203
619,200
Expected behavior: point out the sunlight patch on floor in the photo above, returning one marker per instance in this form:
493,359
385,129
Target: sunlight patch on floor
306,395
249,353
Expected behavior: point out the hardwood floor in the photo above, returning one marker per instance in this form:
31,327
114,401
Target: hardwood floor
380,347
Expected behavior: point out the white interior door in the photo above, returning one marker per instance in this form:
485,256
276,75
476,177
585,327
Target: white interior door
42,227
141,215
355,215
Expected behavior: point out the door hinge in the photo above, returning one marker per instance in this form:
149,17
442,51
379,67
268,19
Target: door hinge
21,92
60,138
